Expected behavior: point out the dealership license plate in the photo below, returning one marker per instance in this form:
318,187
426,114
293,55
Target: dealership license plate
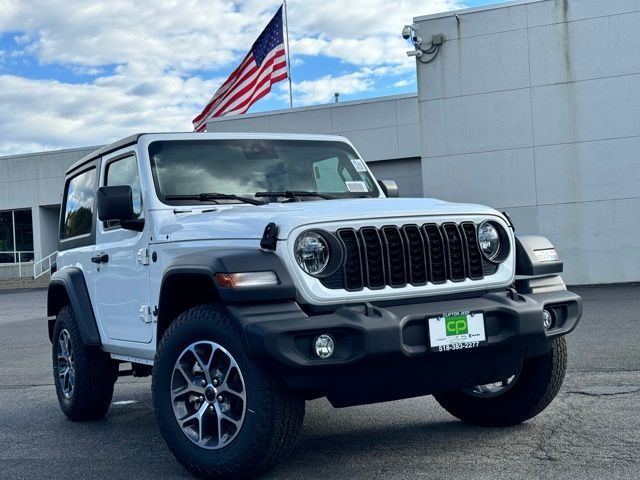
456,331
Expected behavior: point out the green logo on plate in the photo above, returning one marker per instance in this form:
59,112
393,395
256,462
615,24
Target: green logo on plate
456,325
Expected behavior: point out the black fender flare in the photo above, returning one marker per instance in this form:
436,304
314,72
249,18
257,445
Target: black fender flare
527,261
68,287
178,292
538,266
210,262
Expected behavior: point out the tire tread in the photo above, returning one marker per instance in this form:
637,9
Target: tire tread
275,435
93,389
538,384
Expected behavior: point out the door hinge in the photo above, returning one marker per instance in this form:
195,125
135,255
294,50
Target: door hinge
142,257
145,314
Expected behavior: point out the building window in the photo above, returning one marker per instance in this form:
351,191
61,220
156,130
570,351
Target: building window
16,236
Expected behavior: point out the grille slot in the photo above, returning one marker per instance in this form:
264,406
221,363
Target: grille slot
475,270
374,257
417,255
453,239
488,268
410,254
394,251
437,258
352,267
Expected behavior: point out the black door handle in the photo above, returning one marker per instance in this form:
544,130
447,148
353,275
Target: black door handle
102,258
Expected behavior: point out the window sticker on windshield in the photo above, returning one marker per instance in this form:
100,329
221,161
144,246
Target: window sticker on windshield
356,186
358,165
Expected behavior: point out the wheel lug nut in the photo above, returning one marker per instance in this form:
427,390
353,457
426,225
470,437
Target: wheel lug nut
216,382
212,408
220,398
203,383
201,398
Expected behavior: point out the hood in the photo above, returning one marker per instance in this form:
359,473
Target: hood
248,221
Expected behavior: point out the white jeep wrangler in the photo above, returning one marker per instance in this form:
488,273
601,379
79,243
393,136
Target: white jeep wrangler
249,273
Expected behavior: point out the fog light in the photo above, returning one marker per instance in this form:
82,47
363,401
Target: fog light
547,319
324,346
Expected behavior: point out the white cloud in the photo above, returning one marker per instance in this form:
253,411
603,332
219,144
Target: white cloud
22,39
145,55
14,148
184,35
360,32
360,18
92,71
41,114
321,90
402,83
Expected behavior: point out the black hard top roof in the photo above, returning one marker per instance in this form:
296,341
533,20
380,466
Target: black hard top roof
112,147
133,139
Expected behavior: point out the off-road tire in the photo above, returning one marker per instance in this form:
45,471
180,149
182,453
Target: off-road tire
92,391
273,417
533,390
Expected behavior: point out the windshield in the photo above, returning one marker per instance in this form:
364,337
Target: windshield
246,167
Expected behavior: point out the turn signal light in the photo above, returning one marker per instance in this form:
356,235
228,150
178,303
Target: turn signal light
247,279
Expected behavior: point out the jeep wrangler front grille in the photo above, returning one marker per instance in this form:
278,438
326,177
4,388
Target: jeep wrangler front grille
408,255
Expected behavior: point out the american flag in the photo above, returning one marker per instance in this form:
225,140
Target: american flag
264,65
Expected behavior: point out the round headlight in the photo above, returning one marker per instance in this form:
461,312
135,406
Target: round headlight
489,240
312,252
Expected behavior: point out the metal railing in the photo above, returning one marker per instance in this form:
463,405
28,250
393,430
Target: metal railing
44,265
19,258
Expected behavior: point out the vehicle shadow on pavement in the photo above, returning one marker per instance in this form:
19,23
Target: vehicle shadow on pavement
363,442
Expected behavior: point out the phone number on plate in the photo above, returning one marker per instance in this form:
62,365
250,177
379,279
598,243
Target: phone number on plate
457,346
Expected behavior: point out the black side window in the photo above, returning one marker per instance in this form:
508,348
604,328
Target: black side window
78,205
125,172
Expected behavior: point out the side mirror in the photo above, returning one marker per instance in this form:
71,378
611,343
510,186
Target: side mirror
390,188
116,204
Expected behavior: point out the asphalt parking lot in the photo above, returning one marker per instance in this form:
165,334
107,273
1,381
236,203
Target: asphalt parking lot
591,430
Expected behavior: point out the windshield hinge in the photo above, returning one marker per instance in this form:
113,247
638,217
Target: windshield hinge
142,257
145,314
269,239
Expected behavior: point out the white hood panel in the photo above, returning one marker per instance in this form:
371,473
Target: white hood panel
244,225
247,222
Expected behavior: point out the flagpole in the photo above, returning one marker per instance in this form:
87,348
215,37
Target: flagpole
286,26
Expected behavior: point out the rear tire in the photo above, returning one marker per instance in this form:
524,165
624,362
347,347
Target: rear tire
201,356
83,374
529,393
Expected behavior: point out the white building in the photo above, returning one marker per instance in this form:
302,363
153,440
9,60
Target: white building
30,196
532,107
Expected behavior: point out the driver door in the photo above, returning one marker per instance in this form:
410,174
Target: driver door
121,276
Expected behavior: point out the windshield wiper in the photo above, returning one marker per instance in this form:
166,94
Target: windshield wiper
294,194
207,197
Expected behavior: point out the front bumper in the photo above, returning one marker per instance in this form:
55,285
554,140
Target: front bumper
382,353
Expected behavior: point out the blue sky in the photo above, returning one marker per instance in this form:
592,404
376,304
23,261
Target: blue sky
76,73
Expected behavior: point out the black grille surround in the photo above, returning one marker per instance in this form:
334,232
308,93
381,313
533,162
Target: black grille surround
411,254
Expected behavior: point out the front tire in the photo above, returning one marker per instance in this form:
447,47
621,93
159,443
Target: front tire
83,374
519,398
220,413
